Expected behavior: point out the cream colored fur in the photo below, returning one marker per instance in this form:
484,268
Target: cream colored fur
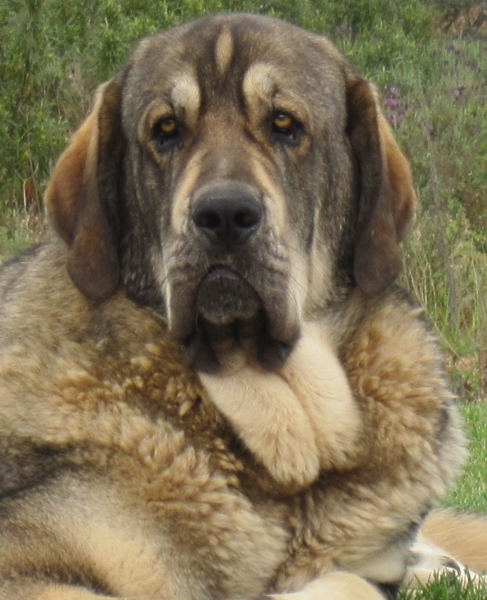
297,421
450,541
428,561
335,586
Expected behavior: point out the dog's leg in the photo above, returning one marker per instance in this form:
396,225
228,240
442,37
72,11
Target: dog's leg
457,534
334,586
427,561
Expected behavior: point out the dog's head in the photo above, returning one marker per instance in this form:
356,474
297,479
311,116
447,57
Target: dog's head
236,176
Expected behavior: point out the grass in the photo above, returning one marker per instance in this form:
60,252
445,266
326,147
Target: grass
446,587
19,230
471,490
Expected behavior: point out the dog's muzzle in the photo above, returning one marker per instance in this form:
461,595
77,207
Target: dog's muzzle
234,306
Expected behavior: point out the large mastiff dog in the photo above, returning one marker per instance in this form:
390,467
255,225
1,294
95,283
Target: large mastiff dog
209,386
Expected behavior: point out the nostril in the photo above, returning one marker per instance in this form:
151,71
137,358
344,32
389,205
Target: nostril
208,219
246,219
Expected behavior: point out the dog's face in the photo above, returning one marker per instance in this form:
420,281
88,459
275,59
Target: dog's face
237,177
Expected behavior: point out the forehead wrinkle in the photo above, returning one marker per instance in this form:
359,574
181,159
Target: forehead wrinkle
186,95
264,88
224,49
259,84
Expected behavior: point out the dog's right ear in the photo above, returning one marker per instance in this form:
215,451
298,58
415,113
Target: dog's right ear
82,195
387,196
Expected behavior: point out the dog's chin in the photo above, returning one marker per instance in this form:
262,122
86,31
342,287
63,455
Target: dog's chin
224,298
232,327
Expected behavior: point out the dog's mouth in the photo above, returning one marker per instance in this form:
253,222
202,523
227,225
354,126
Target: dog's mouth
234,326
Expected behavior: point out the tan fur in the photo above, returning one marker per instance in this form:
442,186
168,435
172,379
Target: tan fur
258,85
314,425
59,592
224,50
401,179
273,199
320,385
279,434
339,586
183,194
186,97
459,535
68,174
133,471
136,436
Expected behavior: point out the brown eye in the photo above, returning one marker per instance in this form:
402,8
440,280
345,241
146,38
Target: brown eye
283,121
165,132
168,126
286,128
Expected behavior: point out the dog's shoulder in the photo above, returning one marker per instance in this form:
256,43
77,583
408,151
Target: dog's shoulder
35,287
397,371
12,270
67,363
391,337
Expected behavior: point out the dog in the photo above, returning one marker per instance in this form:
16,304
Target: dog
210,386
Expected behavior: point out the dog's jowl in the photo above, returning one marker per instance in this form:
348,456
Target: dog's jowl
210,386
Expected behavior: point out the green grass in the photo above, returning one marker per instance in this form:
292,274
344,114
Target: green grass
471,490
446,587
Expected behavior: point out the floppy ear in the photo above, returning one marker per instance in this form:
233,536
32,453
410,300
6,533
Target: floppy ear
82,194
387,196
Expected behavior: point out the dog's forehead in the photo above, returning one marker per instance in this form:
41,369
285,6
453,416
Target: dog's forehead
225,39
222,50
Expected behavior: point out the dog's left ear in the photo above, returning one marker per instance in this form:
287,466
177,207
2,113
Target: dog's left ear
82,195
387,197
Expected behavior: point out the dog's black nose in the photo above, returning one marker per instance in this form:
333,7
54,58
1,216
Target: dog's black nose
228,214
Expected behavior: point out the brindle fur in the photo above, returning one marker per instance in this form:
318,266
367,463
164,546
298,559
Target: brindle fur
209,386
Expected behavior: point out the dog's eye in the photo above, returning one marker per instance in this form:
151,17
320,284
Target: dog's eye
286,127
165,131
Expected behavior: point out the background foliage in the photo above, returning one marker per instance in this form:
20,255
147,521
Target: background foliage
429,61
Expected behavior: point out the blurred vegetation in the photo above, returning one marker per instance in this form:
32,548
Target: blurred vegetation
427,57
